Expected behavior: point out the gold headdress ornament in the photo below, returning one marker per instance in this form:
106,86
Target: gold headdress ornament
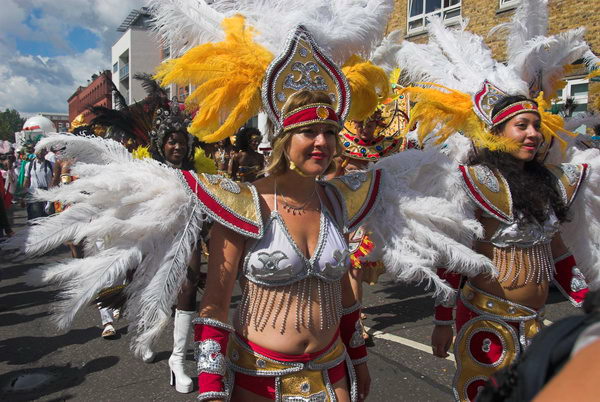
391,118
229,76
78,121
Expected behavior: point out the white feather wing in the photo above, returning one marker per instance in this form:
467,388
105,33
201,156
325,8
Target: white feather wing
148,220
582,232
91,149
424,220
183,24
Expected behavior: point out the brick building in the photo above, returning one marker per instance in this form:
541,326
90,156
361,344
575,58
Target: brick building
98,92
409,17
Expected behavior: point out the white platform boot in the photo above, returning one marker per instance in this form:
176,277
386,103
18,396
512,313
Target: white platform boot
181,332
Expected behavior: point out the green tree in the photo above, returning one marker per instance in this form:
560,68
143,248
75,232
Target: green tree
10,122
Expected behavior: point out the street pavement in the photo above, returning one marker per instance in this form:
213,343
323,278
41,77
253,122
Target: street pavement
40,362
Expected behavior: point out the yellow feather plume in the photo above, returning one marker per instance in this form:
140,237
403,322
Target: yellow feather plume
453,112
227,76
368,83
552,124
202,163
141,153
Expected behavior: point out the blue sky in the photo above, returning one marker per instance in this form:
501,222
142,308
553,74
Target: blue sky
79,38
48,48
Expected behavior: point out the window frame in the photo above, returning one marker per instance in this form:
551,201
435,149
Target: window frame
504,5
579,99
423,16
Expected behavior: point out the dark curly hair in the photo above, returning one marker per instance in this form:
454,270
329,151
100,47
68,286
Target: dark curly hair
533,188
242,138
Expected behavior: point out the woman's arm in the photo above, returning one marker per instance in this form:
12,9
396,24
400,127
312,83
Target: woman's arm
225,251
351,335
211,330
567,277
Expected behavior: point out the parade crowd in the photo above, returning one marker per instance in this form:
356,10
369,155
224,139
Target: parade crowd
432,162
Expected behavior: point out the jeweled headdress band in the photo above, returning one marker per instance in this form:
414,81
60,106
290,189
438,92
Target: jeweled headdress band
313,113
512,110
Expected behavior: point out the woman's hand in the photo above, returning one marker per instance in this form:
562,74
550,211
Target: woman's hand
441,339
363,379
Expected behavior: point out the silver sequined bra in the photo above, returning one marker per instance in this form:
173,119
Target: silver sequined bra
525,235
276,260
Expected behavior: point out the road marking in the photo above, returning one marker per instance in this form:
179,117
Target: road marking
405,341
413,344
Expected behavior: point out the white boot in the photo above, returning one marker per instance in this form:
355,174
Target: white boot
181,332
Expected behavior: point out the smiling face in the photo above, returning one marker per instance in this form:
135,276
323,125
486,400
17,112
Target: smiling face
312,148
524,128
175,148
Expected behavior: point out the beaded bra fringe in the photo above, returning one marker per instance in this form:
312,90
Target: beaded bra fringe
264,305
535,263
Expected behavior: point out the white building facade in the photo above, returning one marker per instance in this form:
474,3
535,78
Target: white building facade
137,51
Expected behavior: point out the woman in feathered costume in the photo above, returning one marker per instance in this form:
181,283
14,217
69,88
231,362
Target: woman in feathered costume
296,330
521,203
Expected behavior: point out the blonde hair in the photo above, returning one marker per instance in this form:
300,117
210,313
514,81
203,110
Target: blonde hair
278,162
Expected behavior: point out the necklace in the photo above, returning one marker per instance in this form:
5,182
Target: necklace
297,210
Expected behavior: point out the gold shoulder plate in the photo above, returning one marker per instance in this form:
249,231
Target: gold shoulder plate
569,177
358,193
489,190
232,204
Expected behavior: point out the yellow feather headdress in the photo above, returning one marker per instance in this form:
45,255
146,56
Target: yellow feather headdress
440,112
229,75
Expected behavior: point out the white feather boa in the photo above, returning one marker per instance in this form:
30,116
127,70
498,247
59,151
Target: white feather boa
425,220
145,215
581,233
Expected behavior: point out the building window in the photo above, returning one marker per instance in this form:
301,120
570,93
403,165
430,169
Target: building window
419,10
508,4
116,67
572,100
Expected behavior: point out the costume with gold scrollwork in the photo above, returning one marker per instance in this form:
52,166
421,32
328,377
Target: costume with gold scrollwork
389,119
493,331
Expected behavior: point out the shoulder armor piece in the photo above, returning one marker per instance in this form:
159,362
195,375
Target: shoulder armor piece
489,190
358,192
569,177
232,204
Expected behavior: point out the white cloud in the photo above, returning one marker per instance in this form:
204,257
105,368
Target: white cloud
32,83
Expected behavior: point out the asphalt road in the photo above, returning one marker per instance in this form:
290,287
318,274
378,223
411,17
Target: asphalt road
40,362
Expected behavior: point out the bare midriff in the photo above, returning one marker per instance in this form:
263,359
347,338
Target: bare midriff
530,294
514,288
282,334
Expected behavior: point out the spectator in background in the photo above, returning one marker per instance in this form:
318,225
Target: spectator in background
247,163
5,226
38,175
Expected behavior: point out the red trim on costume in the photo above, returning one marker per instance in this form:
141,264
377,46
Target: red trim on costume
370,202
564,277
208,382
524,106
477,196
347,331
319,112
212,204
442,313
265,386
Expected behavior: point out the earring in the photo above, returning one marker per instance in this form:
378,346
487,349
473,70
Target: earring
293,166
